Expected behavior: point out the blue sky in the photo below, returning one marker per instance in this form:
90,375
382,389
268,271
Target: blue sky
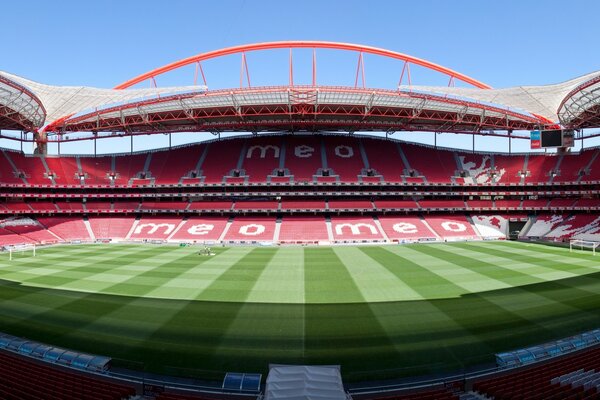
102,43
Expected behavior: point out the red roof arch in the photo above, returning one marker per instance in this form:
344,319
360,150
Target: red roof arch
297,45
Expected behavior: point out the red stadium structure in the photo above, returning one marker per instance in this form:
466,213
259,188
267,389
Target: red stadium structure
299,174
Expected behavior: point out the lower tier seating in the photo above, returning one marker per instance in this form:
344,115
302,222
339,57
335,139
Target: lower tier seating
24,379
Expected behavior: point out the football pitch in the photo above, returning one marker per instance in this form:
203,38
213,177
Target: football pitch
379,311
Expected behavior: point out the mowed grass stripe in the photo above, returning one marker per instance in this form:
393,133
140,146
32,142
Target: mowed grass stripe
326,279
501,272
375,281
237,282
94,277
332,330
282,280
425,317
468,280
551,257
502,317
158,276
427,284
513,262
190,283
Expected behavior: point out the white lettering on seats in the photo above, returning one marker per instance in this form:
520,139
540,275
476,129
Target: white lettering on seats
405,227
263,151
344,151
154,227
201,229
252,230
303,151
452,226
355,228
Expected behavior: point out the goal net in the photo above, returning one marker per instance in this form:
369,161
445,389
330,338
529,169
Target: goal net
21,251
583,244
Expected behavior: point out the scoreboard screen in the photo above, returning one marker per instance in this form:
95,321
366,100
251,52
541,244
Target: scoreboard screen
552,138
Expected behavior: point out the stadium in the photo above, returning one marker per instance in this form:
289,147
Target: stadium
304,250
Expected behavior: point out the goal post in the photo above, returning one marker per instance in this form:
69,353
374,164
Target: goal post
583,244
21,250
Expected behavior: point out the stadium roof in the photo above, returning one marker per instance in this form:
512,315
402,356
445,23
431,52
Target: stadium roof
28,105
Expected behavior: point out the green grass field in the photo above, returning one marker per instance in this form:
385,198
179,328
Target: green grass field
379,311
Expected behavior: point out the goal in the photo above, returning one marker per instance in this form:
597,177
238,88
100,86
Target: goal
24,250
583,244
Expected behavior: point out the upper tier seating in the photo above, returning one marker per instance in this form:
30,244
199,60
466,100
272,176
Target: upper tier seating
24,379
97,169
169,167
261,157
451,226
303,157
508,168
405,228
477,166
384,158
303,229
7,173
247,229
31,166
540,167
219,162
572,164
437,166
344,157
355,229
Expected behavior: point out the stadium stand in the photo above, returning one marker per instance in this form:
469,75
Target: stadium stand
491,226
451,227
155,228
436,166
200,229
406,228
262,157
251,229
302,205
303,230
543,225
219,164
384,159
357,229
344,158
68,229
303,157
572,166
509,168
24,379
111,228
569,377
